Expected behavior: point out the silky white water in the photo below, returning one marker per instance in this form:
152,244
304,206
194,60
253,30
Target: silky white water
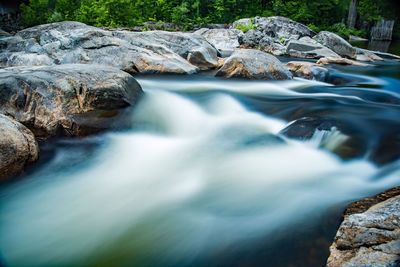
188,180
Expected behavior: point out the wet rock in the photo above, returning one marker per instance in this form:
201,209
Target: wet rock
71,99
328,134
253,64
340,61
18,147
225,40
336,44
307,49
134,52
370,233
307,70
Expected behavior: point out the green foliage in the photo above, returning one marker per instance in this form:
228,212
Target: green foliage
314,28
36,12
318,15
246,27
343,31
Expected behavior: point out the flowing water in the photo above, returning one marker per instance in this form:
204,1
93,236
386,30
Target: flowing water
211,173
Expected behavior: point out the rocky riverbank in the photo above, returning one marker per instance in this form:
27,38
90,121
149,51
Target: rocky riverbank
71,79
370,233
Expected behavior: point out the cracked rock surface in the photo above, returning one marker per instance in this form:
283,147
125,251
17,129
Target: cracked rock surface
369,234
18,147
69,99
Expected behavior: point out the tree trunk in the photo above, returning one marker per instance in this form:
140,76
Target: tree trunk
351,20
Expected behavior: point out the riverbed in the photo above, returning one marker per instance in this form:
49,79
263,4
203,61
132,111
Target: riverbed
206,172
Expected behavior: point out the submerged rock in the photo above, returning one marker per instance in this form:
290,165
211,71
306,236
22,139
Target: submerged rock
370,233
71,99
336,44
18,147
329,134
253,64
307,70
134,52
225,40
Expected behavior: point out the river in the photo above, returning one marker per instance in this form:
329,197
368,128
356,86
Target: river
206,173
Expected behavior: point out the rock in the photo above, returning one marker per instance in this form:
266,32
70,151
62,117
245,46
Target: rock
336,44
253,64
272,34
379,55
369,234
202,59
306,49
329,134
225,40
353,38
366,55
256,39
242,22
282,28
307,70
134,52
69,99
340,61
180,43
18,147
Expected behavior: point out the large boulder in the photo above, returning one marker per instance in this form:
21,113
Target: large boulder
18,147
225,40
134,52
256,39
282,28
306,48
69,99
336,44
307,70
369,234
271,34
253,64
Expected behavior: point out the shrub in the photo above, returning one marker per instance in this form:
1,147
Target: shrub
343,31
246,27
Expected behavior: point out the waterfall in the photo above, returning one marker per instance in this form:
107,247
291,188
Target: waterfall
382,30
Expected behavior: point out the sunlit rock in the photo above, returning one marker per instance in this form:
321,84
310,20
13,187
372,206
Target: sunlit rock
307,70
253,64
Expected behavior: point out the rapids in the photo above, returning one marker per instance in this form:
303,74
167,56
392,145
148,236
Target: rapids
204,176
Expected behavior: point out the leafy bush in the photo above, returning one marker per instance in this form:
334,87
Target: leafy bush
342,30
36,12
314,28
246,27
